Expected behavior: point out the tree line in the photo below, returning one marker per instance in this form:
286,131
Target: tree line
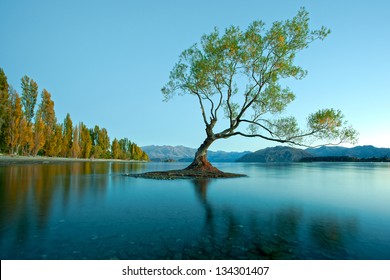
31,129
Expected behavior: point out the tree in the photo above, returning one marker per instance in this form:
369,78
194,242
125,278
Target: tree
85,141
123,154
46,110
29,97
15,127
104,143
125,147
26,137
214,73
115,149
3,97
4,107
39,135
100,142
47,113
75,150
137,153
67,136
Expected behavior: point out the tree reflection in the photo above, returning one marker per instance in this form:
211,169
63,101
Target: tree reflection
273,234
31,193
330,234
126,168
34,200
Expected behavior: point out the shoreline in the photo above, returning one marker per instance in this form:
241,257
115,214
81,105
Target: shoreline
6,160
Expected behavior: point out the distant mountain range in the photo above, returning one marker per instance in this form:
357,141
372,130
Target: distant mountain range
274,154
163,153
181,153
358,152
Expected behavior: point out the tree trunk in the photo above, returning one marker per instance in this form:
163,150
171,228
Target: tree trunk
201,162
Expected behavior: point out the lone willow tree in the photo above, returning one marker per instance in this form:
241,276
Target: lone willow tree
236,75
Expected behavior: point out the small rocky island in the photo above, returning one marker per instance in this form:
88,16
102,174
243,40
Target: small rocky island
185,174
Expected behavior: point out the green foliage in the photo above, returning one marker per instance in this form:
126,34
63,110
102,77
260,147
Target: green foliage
46,110
129,151
85,141
330,124
100,142
240,71
67,136
115,149
29,97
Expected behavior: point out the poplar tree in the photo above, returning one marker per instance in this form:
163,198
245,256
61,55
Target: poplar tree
125,153
75,150
29,97
39,135
47,113
115,149
96,150
27,139
67,136
16,124
57,141
85,141
4,107
104,142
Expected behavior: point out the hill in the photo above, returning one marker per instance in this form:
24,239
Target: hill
275,154
181,153
356,152
163,153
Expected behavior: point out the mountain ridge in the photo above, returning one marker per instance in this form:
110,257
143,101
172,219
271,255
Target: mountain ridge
275,154
365,151
182,153
270,154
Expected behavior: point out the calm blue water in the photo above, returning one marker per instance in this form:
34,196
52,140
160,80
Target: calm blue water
294,211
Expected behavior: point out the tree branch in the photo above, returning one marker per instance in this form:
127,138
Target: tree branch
201,107
258,124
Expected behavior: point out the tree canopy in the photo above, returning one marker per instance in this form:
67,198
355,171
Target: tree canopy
238,74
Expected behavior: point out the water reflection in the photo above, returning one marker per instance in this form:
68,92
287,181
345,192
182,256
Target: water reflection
271,235
28,191
89,211
331,234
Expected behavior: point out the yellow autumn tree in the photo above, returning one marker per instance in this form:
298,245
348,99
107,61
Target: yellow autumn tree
13,132
115,149
47,113
57,140
39,136
67,136
75,149
25,137
85,141
4,87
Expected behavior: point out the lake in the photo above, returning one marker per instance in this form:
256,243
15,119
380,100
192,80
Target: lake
88,210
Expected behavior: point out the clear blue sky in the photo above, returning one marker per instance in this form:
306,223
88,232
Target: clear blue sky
104,62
